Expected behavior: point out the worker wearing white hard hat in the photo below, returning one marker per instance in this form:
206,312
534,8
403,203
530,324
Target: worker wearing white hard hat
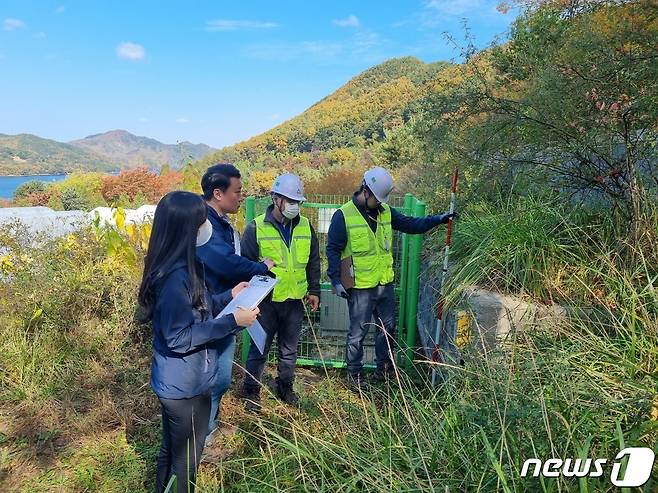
287,237
379,182
360,267
289,186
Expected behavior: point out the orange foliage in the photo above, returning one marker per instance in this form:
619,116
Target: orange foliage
260,182
343,181
172,180
39,198
137,181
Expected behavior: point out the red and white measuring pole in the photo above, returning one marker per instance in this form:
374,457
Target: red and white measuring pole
436,353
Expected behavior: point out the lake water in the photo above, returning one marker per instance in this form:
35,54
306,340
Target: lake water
9,184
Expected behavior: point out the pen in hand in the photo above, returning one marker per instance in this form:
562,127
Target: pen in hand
244,317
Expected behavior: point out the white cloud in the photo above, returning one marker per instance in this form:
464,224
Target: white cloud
363,46
435,13
316,51
10,24
277,51
238,25
182,120
321,49
60,9
366,41
349,21
131,51
460,8
143,119
40,35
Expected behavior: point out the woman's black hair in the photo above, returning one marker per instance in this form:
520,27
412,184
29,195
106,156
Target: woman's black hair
218,177
176,222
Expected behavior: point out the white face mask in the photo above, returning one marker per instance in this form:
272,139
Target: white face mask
290,211
204,233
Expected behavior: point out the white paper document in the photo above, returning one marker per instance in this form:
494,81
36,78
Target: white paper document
250,297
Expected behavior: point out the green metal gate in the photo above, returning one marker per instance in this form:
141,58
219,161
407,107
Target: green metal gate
322,342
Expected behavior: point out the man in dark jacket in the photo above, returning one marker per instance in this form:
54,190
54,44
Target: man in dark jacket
289,239
361,234
222,263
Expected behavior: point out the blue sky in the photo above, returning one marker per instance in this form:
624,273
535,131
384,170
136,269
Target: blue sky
213,72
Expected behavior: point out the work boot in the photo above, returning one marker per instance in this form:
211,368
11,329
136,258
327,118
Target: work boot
285,392
251,398
214,451
384,373
226,430
357,383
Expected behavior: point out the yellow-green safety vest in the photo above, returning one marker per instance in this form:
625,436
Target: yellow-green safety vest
290,268
372,253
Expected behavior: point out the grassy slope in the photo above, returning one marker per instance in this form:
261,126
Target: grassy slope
76,412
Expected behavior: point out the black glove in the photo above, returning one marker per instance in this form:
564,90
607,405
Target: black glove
445,217
340,291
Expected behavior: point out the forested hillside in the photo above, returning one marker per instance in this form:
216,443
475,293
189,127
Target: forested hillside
27,154
362,112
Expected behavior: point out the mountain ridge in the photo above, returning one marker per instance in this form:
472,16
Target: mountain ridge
30,154
135,150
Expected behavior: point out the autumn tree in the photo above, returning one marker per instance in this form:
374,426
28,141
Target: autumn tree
29,188
570,100
140,185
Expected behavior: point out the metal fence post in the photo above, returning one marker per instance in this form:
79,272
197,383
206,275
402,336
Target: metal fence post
249,215
409,202
415,249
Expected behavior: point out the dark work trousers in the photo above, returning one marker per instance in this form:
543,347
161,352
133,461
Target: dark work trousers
184,429
283,319
370,308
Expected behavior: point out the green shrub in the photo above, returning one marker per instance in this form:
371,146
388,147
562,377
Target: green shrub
73,200
28,188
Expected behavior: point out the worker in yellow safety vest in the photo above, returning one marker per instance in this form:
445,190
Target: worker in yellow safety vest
360,267
285,236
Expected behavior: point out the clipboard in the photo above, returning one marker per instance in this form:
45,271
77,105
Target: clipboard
347,273
250,297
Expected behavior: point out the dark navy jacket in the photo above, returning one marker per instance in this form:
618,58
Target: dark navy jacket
184,357
224,269
337,237
251,250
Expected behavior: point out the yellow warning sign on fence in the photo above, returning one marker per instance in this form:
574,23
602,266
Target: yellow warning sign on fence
464,332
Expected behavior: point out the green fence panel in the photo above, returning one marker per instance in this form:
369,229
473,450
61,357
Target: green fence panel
409,202
415,249
249,215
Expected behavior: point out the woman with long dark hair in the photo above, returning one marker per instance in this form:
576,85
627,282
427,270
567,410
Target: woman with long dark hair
173,296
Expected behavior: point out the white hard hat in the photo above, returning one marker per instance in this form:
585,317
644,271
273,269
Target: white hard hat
289,186
380,183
